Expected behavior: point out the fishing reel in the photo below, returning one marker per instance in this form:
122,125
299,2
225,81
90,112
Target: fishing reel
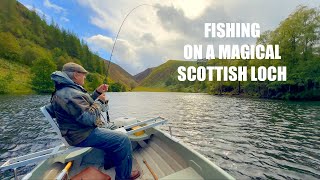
105,115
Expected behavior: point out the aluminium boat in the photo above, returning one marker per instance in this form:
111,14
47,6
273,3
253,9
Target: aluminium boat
157,154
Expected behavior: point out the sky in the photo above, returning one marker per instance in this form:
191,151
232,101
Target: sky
157,31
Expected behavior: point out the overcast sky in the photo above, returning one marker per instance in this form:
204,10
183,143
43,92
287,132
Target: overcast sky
157,32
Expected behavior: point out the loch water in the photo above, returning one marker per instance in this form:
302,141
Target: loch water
248,138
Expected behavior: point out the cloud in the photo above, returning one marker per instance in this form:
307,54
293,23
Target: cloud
55,7
153,34
142,41
39,12
127,56
100,41
148,38
64,19
174,19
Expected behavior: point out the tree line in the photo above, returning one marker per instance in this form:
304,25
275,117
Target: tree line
27,39
299,39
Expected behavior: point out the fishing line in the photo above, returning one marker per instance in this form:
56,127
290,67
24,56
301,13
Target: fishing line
115,41
108,66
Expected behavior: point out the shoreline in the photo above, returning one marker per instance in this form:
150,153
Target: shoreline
155,90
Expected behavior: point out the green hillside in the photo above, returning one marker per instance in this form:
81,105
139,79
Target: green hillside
29,43
164,76
299,40
159,75
15,77
142,75
118,74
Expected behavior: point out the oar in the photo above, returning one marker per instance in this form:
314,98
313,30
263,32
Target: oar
151,171
64,172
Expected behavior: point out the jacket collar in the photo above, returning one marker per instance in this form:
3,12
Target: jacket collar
62,80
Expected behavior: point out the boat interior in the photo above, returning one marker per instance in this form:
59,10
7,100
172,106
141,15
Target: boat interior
156,154
164,162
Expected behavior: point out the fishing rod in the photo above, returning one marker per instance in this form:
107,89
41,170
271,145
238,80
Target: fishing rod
106,106
115,41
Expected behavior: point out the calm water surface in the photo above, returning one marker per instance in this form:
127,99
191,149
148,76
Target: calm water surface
249,138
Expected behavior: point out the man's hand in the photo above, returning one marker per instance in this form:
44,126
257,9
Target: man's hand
103,97
103,88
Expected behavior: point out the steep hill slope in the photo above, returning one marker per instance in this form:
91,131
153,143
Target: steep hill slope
26,38
142,75
164,73
118,74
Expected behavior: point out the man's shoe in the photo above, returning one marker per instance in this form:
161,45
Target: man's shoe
135,174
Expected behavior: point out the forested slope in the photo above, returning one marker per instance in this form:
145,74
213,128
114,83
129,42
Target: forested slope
28,41
299,38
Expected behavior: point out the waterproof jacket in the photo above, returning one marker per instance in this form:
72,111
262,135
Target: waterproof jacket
76,112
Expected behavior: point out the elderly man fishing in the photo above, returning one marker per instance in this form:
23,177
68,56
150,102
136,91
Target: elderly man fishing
78,117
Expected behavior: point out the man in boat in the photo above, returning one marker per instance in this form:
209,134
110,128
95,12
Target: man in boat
78,117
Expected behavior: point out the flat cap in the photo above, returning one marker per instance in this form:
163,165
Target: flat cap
73,67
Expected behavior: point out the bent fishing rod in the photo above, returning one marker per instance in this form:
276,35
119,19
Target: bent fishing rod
115,41
114,44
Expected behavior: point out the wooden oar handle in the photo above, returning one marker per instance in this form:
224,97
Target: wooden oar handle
151,171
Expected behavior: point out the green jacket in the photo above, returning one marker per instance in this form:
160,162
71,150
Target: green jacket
76,112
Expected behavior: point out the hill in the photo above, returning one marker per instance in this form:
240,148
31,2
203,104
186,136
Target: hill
14,78
118,74
29,42
142,75
298,37
165,74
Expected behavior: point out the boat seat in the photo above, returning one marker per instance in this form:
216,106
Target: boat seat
142,137
47,112
76,154
187,173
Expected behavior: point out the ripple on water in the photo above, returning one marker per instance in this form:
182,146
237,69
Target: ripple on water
249,138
